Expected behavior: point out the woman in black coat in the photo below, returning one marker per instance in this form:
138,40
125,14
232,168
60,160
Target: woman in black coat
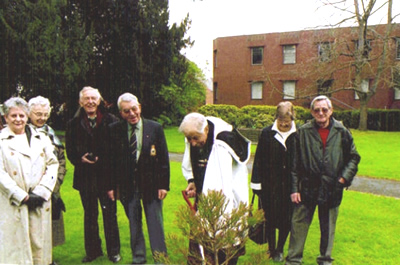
271,176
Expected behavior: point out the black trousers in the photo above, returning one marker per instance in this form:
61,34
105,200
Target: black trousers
91,226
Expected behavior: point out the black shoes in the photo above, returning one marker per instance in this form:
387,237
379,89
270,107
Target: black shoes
115,258
91,258
276,256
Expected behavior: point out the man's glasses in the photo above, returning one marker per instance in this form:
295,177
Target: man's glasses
324,110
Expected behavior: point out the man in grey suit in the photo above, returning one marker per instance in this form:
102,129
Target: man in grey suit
139,164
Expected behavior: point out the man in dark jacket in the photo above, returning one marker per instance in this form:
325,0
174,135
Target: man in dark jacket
85,145
139,163
325,163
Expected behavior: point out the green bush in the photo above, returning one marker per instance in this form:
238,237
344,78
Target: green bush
228,113
252,117
349,118
384,120
258,117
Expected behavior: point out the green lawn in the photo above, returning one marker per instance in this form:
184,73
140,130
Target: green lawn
367,232
380,153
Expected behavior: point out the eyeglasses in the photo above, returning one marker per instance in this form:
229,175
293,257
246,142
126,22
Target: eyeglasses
127,111
324,110
39,114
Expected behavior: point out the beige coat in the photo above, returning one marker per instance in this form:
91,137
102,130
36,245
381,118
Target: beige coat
25,236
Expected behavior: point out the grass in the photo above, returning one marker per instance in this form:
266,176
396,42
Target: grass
367,230
380,151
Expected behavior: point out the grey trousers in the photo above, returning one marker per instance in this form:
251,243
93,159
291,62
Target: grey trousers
301,221
154,218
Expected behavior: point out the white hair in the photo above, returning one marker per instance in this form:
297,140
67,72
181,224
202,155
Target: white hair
320,98
195,121
89,88
15,102
127,97
39,100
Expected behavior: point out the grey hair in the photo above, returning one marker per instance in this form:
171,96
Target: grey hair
284,109
15,102
193,120
39,100
127,97
89,88
320,98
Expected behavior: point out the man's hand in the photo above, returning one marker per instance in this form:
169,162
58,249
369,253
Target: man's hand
191,190
89,159
162,194
295,197
342,180
110,194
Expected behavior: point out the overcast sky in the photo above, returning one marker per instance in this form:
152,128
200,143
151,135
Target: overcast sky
212,19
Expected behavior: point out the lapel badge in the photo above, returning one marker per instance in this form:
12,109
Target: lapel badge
153,150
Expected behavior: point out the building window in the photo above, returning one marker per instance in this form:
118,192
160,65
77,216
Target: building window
397,93
257,55
325,51
324,86
256,90
364,88
289,54
215,91
215,58
398,48
367,48
289,89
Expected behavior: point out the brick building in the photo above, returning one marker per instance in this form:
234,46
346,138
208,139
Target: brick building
265,69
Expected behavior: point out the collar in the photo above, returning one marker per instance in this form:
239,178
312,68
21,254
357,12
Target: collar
138,126
331,121
292,130
46,129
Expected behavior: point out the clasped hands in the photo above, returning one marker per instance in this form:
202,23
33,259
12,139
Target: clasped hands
33,201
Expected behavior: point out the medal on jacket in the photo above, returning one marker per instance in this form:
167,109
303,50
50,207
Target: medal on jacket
153,150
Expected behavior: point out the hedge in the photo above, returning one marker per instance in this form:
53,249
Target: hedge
258,117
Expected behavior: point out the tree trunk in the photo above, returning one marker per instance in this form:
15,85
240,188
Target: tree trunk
362,126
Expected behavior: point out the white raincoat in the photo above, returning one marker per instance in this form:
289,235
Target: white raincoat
224,169
25,236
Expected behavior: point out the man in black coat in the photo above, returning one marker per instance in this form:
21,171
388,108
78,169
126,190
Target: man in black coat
325,162
139,163
86,149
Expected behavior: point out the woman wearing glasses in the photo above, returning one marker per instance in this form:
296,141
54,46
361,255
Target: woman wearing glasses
271,176
39,112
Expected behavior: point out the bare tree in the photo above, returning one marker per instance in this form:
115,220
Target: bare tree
362,64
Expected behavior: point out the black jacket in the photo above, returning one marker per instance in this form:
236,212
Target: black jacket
152,171
80,139
316,172
272,169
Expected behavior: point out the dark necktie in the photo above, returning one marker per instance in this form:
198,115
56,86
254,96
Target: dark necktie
92,122
133,143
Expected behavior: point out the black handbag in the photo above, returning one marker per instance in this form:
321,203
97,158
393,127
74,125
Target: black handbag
258,233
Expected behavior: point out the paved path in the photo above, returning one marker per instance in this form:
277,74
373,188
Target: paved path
383,187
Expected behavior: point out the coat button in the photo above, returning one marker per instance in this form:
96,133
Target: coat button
12,153
15,173
42,155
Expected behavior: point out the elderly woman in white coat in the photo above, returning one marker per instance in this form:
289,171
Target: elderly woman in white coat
28,173
39,113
